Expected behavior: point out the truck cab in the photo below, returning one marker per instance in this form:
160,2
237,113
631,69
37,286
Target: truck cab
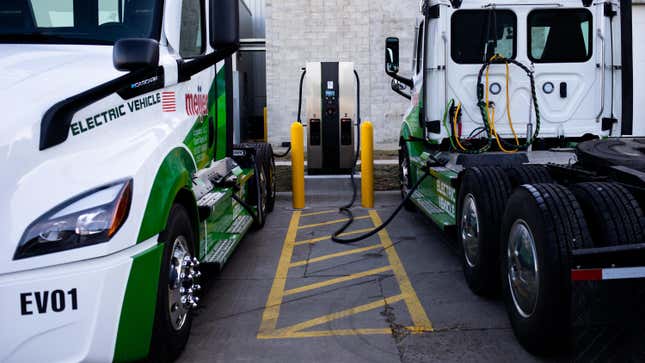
571,47
517,141
120,173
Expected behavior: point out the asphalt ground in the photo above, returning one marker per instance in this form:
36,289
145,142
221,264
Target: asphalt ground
289,294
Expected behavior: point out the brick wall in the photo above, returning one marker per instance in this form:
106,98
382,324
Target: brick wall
299,31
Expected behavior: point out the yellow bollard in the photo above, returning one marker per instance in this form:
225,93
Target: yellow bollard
298,165
266,123
367,165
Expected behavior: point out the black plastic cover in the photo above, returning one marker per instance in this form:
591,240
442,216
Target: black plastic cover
224,23
135,53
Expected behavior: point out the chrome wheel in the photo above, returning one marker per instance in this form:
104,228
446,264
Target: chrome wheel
182,283
522,268
470,230
404,171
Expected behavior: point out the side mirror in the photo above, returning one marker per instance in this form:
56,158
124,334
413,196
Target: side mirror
224,23
135,53
392,55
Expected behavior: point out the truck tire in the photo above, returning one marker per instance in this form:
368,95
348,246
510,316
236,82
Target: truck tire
528,174
613,214
542,223
482,198
405,181
173,319
264,153
258,194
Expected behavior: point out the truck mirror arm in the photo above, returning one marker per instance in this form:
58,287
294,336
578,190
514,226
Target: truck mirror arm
405,81
188,69
399,87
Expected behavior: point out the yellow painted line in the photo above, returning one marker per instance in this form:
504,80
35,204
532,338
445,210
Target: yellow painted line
337,280
288,331
327,333
272,307
417,313
318,239
331,222
338,333
335,255
319,213
420,321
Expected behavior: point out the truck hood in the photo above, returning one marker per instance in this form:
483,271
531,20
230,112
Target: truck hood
35,77
32,79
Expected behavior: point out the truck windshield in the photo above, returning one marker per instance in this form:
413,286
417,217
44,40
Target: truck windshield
78,22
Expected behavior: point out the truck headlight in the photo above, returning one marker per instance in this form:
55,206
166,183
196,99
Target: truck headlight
91,218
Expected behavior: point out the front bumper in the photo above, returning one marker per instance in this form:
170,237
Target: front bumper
66,313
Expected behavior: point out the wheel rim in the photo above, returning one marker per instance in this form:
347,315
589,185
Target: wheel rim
522,268
470,230
263,193
183,273
405,173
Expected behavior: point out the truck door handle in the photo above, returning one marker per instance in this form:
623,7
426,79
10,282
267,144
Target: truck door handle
563,89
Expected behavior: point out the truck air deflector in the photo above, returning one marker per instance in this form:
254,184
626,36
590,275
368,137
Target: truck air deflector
54,128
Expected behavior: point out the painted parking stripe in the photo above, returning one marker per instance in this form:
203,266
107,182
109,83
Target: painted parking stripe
418,314
337,280
268,327
335,255
328,223
320,239
319,213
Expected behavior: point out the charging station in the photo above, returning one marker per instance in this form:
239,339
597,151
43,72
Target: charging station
331,108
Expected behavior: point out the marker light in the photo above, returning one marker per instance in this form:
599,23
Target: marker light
88,219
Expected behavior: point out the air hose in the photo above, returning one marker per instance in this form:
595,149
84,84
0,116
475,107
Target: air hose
488,117
489,121
336,236
346,209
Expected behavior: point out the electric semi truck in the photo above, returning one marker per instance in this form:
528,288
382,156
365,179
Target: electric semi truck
119,174
515,140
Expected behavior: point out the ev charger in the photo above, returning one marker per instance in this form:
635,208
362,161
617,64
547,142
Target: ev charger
331,115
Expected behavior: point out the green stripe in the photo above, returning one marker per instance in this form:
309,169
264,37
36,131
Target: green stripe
220,148
174,174
138,312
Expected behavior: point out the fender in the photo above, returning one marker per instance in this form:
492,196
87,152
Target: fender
175,173
413,143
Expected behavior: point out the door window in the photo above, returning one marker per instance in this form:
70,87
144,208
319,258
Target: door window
191,43
557,36
477,35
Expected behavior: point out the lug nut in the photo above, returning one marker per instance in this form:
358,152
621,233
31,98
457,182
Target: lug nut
197,287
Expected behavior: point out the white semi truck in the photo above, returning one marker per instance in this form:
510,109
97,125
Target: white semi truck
119,175
518,140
